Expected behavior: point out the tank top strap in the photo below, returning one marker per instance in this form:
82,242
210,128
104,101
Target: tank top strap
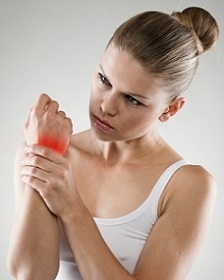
150,205
163,180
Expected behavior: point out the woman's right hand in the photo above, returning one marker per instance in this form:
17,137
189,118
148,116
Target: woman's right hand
47,126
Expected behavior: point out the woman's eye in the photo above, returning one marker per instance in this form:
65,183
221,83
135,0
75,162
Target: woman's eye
103,80
132,100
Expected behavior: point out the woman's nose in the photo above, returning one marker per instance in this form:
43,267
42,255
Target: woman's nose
109,104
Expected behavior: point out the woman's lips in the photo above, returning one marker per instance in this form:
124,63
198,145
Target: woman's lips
101,123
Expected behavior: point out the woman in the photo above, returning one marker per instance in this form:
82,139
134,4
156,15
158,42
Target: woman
119,200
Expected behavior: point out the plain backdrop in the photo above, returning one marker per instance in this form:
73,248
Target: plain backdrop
54,46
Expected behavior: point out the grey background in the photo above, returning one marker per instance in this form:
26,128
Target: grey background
53,46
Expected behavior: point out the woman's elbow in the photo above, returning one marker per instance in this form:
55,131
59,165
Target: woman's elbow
11,267
26,271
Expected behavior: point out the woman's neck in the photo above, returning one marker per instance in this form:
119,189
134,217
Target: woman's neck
132,152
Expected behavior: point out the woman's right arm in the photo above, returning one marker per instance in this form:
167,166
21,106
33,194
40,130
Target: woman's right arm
34,245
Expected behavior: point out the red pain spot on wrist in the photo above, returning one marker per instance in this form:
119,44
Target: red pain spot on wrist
53,143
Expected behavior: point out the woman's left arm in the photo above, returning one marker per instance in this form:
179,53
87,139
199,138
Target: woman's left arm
185,213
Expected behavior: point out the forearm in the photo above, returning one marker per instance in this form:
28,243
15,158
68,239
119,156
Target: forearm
33,251
93,257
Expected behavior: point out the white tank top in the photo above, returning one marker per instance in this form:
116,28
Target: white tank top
126,235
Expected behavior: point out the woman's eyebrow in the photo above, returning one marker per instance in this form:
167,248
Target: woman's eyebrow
129,93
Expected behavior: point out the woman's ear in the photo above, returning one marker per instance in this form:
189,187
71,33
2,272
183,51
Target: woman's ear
172,108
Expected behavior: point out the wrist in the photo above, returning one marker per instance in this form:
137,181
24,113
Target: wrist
76,214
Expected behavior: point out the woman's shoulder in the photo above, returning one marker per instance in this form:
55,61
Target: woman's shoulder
191,187
83,142
192,183
196,175
80,139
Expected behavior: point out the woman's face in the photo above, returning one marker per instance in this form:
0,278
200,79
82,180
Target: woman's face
125,100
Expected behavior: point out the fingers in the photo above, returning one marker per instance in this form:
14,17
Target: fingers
35,179
46,103
32,174
45,153
43,100
38,162
61,114
40,168
48,126
33,182
53,106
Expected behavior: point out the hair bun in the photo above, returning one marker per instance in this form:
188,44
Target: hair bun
202,24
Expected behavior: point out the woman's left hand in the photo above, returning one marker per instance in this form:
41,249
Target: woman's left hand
51,175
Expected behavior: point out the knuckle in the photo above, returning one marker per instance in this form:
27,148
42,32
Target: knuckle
55,103
53,106
46,152
45,192
35,110
68,123
43,95
33,170
30,180
36,161
61,114
49,115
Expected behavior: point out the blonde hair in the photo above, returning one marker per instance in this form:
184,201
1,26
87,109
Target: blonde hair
168,46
